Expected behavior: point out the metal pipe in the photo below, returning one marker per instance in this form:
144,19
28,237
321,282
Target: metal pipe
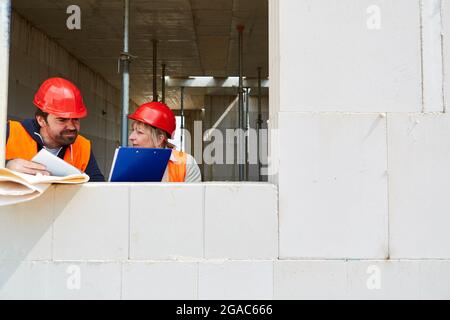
259,124
246,129
155,61
125,59
5,23
182,118
163,83
211,82
241,147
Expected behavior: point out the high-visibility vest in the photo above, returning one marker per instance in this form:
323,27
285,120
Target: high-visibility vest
21,145
177,169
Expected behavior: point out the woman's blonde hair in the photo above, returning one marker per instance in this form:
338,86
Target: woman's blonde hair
154,134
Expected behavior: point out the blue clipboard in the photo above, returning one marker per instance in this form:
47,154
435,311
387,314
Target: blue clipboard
139,164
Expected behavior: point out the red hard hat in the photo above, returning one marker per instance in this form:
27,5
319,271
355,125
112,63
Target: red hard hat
61,98
156,114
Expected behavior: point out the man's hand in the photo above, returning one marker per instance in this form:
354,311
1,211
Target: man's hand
25,166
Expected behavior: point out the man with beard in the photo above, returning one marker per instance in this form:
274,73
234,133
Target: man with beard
55,127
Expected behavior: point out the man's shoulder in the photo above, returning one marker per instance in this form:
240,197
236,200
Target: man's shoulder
83,141
28,125
83,138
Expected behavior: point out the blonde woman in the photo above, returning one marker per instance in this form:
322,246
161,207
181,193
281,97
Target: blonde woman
154,123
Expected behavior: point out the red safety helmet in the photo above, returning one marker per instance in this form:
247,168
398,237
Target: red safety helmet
156,114
61,98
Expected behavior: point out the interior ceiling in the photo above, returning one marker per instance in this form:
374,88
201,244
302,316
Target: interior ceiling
195,38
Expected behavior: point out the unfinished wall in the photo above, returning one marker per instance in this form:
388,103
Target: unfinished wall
216,241
362,91
134,241
33,58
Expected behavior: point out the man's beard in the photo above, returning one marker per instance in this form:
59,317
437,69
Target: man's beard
67,140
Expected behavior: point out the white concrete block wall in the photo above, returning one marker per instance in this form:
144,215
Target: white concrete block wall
309,280
97,280
91,222
25,230
153,241
337,63
333,186
354,183
91,255
419,184
242,280
60,280
160,280
23,280
389,279
166,222
358,177
432,50
241,221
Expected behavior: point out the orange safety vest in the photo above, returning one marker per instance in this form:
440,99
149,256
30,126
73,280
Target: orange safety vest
21,145
177,169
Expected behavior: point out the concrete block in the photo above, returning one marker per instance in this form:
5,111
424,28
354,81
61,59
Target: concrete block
166,221
302,280
432,60
333,186
84,281
161,280
60,280
26,229
92,222
419,203
367,280
383,280
237,280
412,279
434,279
23,280
241,221
345,60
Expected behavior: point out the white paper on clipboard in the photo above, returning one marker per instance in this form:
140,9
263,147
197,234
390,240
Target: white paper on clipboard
56,166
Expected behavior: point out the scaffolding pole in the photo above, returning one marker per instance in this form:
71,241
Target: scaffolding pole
155,75
259,125
246,130
163,83
5,22
182,119
241,145
125,59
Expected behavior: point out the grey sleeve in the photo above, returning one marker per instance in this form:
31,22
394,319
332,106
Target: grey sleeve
193,173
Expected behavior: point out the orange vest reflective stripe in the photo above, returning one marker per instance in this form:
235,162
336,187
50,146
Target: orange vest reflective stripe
21,145
177,169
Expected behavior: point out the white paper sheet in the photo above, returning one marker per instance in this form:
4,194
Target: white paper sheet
56,166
